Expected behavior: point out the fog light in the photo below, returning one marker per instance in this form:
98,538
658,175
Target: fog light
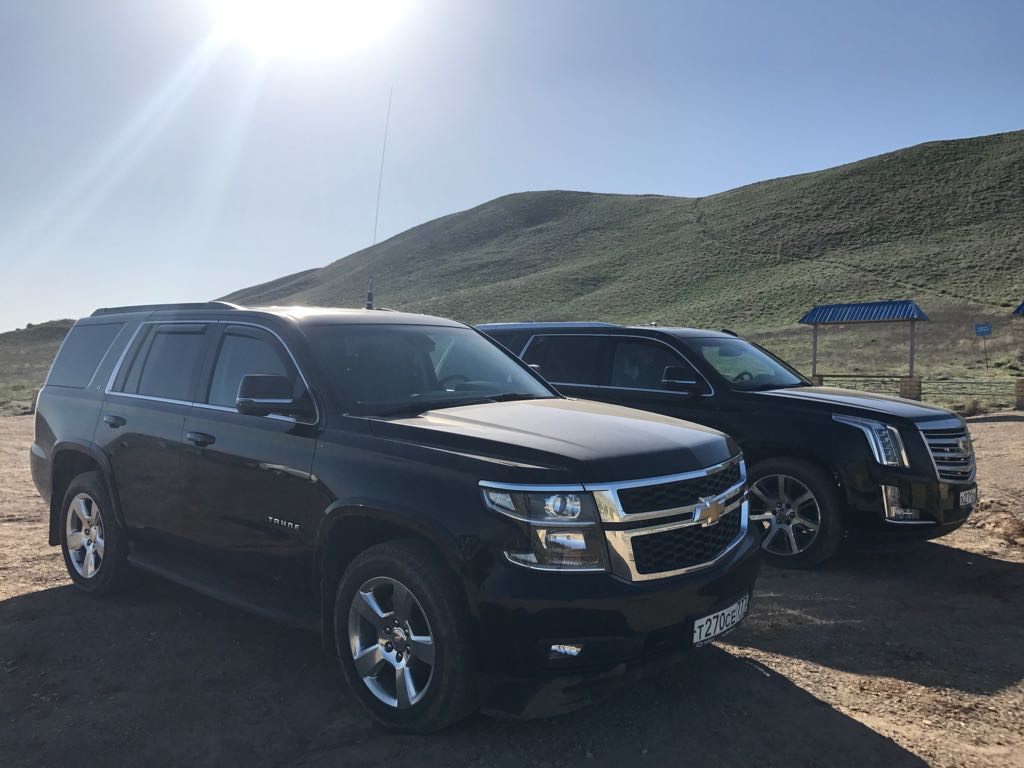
894,510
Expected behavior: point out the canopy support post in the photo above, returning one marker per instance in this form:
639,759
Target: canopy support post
913,345
814,351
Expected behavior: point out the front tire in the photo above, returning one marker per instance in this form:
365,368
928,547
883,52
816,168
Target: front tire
402,635
94,545
796,507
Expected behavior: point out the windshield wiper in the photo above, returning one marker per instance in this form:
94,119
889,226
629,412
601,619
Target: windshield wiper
506,396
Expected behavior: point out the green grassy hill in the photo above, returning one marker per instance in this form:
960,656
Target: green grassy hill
940,222
25,357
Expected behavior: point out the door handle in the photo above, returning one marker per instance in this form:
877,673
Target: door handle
114,422
201,439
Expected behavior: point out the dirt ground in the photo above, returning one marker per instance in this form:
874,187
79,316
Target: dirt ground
895,660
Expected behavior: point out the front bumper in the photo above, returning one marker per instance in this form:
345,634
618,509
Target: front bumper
626,629
938,502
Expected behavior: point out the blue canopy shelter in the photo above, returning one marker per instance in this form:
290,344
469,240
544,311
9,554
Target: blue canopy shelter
865,312
1019,311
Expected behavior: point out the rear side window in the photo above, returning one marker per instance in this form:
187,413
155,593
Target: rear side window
511,340
167,362
638,364
81,354
568,359
243,353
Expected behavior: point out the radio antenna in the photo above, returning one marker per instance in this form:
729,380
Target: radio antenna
380,178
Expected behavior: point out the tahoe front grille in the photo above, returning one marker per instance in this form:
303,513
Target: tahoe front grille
952,453
685,547
666,526
681,493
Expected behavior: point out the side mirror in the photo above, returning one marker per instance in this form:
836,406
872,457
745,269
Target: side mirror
680,379
262,394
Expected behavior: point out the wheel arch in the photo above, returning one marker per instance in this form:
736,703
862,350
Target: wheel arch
349,529
762,451
69,461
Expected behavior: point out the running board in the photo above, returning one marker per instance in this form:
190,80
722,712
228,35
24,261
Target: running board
228,587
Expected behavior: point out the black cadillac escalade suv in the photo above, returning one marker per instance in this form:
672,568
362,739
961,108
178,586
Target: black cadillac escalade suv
825,463
461,534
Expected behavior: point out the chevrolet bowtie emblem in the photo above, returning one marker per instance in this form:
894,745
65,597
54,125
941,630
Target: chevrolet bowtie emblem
708,510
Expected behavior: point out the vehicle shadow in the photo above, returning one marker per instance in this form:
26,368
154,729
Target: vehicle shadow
162,676
935,616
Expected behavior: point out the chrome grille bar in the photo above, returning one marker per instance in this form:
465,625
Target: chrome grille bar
952,454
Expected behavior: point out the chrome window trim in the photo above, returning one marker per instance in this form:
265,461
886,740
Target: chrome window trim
151,398
610,508
529,342
109,389
620,545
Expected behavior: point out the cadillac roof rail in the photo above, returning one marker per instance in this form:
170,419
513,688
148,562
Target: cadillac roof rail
164,307
529,325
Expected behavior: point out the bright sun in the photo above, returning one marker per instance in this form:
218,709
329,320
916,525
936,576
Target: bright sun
305,28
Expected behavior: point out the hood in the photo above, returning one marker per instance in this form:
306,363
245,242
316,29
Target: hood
593,442
863,403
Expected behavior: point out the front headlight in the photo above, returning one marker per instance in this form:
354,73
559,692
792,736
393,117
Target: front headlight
560,530
884,439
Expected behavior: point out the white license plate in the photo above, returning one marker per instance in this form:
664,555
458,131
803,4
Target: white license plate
720,622
969,498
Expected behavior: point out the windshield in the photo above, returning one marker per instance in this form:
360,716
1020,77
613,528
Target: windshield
385,370
745,366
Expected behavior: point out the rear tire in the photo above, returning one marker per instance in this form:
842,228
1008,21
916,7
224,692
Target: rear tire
796,507
94,545
400,617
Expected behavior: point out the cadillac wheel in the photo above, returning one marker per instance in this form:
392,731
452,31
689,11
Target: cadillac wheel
401,634
795,505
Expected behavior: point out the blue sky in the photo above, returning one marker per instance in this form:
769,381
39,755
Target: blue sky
143,160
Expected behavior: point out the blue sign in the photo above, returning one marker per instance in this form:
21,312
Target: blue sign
982,329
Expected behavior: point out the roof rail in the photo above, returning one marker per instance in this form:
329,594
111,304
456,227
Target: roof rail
159,307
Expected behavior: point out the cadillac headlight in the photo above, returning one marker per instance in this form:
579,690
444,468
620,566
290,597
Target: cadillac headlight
884,439
559,528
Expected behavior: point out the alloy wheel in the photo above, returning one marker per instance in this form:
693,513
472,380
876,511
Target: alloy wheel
84,535
391,642
787,512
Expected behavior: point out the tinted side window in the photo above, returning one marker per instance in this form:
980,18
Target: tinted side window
511,340
638,364
567,359
81,354
241,354
168,361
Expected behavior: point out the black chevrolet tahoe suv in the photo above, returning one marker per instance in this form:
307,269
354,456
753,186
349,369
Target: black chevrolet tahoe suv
825,463
462,535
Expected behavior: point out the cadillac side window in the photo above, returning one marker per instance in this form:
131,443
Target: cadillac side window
244,352
640,364
166,362
567,359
